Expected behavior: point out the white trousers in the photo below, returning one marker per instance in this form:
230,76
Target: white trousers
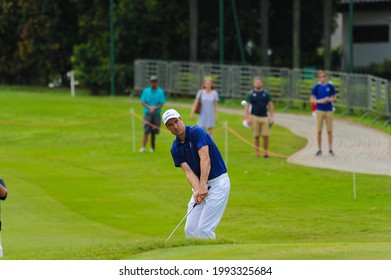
203,220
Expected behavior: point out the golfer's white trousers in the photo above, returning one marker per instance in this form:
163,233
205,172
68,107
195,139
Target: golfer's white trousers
203,220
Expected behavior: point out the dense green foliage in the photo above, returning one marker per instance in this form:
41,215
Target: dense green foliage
36,40
43,40
381,69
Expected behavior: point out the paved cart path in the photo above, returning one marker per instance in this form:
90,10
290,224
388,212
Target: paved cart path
358,148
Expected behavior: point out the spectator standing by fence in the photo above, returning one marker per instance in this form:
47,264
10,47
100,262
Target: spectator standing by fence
260,117
152,99
323,95
208,98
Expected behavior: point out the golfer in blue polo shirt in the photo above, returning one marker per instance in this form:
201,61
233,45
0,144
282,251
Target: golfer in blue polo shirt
196,153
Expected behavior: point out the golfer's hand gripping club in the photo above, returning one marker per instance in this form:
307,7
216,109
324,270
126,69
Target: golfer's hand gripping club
200,196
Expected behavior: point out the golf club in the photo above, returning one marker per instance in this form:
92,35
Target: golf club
195,204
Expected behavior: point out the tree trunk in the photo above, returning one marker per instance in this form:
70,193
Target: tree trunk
296,34
265,4
327,33
193,11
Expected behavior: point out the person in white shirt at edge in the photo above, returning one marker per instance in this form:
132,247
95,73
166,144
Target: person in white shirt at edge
3,196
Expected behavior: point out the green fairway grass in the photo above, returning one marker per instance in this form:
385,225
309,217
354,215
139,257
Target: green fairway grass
78,191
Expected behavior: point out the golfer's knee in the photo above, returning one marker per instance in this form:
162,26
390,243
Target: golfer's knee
206,233
191,231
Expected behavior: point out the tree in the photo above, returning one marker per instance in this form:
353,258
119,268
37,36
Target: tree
193,12
91,56
51,37
281,35
296,33
327,21
10,19
265,4
37,38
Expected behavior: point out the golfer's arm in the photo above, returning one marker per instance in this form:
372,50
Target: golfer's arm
191,177
313,99
203,152
3,192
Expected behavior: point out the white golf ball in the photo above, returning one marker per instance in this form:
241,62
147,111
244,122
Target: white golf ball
243,102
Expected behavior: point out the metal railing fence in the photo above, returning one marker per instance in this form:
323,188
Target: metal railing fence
355,91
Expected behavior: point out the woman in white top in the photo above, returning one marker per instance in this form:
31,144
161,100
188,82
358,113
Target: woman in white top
209,98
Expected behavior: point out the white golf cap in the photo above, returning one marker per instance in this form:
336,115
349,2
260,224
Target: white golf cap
153,78
170,114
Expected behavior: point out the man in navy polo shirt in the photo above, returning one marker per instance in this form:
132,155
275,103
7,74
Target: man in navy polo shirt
196,153
3,196
260,116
